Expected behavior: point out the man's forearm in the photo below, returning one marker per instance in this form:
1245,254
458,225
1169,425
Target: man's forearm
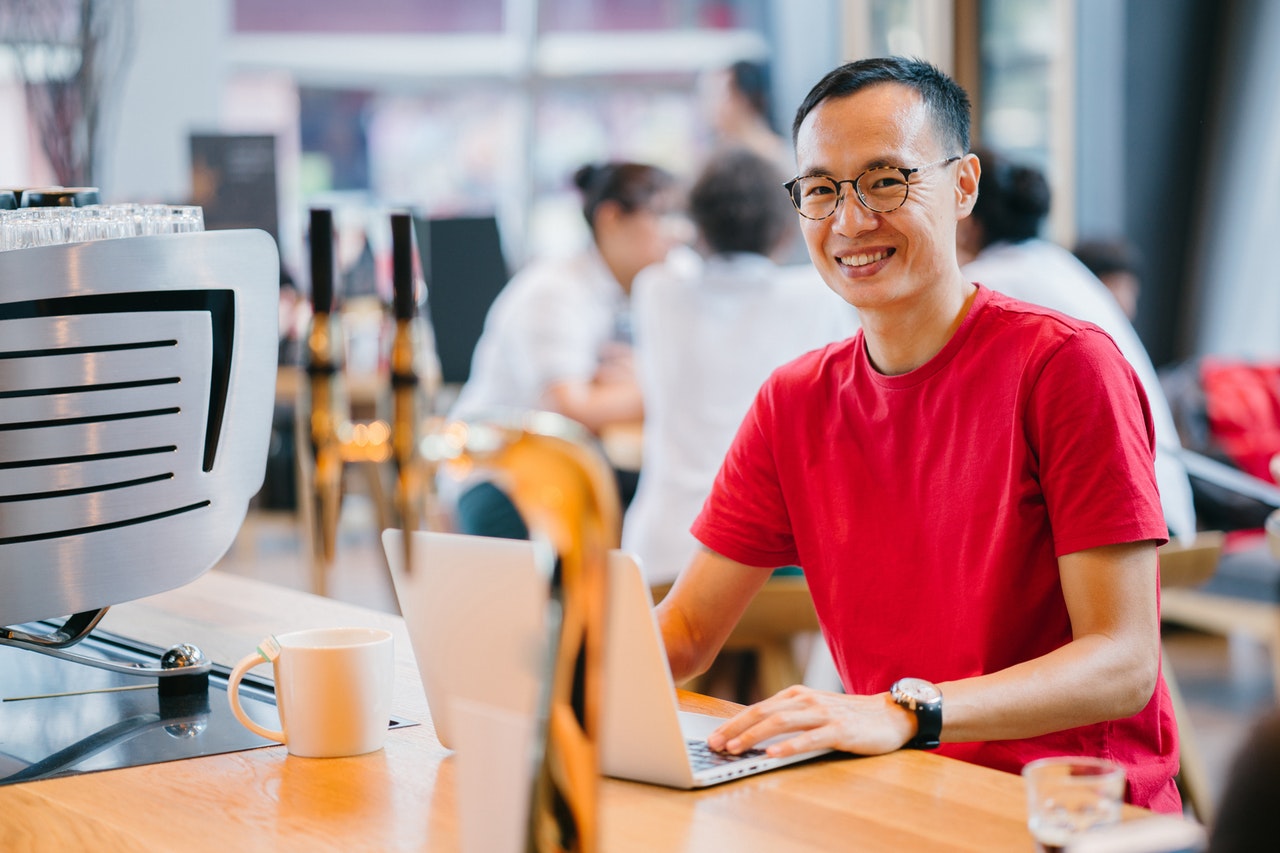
682,650
1089,680
702,609
1107,672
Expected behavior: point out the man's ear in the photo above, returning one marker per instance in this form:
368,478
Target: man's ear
967,176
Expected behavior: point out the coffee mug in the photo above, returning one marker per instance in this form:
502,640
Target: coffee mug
333,690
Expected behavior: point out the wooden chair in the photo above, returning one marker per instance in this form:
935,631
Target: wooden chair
1182,568
1218,613
781,614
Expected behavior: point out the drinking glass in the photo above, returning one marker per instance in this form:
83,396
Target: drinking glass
31,227
171,219
102,222
1070,795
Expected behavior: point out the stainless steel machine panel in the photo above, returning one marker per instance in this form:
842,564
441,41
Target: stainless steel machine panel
137,379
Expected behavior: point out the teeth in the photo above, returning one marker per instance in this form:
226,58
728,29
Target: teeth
863,259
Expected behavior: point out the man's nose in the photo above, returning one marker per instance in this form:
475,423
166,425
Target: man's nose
851,215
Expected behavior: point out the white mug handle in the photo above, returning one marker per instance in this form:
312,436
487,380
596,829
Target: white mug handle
267,652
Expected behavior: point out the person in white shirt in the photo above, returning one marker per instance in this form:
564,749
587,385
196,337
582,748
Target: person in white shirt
707,335
557,336
998,247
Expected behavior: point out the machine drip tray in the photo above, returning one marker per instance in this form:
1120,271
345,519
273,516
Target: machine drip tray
62,718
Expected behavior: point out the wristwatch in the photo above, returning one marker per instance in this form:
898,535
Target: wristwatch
924,699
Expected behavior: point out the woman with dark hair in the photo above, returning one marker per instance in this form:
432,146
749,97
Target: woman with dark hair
999,246
557,336
549,329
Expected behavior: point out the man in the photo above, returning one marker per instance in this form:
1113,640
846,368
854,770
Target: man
967,481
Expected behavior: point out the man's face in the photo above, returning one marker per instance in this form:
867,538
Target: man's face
880,259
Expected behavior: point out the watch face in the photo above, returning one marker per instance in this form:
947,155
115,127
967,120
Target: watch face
923,692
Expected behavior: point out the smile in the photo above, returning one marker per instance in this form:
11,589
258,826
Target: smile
863,259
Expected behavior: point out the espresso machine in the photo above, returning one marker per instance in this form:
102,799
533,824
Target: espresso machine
137,381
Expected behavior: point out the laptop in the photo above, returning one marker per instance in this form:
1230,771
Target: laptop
474,608
644,736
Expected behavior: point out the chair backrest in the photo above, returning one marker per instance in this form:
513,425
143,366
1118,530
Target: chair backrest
137,381
781,609
1191,564
464,268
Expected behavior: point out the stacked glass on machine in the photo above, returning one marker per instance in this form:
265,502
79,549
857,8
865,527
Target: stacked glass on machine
47,216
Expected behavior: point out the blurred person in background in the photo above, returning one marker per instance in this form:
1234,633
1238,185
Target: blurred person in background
737,101
708,334
999,247
557,338
737,106
1118,265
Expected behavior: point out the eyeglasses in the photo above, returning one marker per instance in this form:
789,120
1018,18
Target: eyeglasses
882,189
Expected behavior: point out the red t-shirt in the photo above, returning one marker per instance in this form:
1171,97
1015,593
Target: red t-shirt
928,510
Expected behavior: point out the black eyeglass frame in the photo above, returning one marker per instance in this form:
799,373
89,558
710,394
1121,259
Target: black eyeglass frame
857,187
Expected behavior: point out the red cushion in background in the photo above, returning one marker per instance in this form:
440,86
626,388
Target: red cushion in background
1242,401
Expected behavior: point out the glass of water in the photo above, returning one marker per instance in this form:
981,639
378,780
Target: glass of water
1070,795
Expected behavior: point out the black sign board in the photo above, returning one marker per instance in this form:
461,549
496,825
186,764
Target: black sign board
233,178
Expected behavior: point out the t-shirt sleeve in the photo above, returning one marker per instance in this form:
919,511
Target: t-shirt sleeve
1091,428
745,516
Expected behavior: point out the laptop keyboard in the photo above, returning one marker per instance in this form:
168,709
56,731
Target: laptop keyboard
703,757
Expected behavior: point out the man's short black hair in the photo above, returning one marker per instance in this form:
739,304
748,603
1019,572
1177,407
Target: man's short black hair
739,205
946,100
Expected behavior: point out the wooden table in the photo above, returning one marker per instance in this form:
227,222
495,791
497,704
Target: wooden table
402,797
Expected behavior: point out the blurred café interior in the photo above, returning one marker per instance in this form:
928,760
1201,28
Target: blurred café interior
1152,122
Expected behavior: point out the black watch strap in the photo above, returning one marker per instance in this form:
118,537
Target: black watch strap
929,720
